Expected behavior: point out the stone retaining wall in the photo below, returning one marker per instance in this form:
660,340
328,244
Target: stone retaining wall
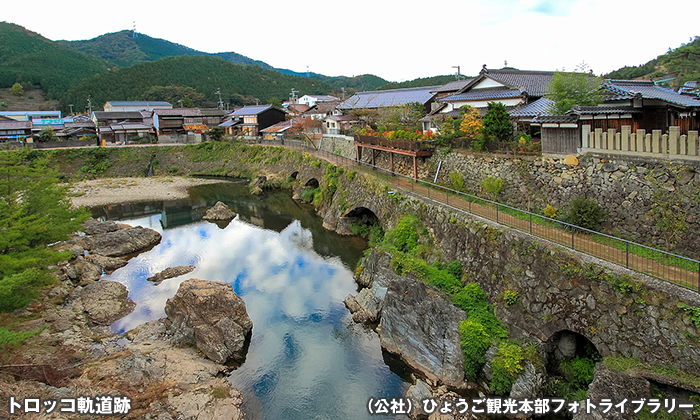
621,187
624,314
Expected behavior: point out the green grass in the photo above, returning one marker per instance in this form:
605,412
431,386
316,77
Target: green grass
648,253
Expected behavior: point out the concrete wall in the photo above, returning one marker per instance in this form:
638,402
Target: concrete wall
179,138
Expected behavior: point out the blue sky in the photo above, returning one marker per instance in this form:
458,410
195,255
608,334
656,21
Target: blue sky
391,39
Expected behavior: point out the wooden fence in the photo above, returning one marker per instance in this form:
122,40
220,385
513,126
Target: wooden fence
653,143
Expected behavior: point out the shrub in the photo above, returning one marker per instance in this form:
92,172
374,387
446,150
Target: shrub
492,185
506,366
510,297
455,268
308,195
404,237
475,342
578,370
350,175
584,212
457,180
550,211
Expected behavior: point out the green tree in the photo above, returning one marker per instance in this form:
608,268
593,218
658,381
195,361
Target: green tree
34,212
215,134
276,102
569,89
497,123
17,90
47,134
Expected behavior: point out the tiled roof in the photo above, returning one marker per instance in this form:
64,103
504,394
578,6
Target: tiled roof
603,109
482,94
323,98
117,115
298,108
229,123
73,124
129,126
212,112
323,107
534,83
533,109
555,119
138,103
628,89
455,113
387,98
278,128
15,125
340,118
179,112
453,86
251,110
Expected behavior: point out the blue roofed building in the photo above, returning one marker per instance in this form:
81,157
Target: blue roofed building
255,118
389,98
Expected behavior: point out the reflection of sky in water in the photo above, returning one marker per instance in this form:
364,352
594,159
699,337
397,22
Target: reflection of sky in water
307,359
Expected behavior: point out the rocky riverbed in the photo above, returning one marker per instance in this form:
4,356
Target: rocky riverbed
77,355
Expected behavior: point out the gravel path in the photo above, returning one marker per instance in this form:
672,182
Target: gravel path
98,192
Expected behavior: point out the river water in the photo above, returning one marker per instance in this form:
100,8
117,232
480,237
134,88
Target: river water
307,359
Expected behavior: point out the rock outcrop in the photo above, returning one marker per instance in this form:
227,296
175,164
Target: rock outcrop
616,386
211,316
123,242
421,324
220,212
171,272
108,264
104,302
367,305
95,227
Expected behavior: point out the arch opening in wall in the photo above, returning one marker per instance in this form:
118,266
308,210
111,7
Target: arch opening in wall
364,222
311,189
294,175
570,362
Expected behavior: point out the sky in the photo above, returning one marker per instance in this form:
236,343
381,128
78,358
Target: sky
394,40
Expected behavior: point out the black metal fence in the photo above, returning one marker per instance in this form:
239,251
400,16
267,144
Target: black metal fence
641,258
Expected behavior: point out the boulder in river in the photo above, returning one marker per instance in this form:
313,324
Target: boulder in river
220,212
123,242
211,316
171,272
104,302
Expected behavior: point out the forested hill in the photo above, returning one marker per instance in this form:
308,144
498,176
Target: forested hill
682,63
239,84
124,50
421,82
29,58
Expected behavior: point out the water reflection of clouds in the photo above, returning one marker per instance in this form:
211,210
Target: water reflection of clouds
283,268
306,355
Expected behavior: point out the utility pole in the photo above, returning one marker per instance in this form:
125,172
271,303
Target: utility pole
342,89
71,109
221,103
459,73
89,105
293,98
